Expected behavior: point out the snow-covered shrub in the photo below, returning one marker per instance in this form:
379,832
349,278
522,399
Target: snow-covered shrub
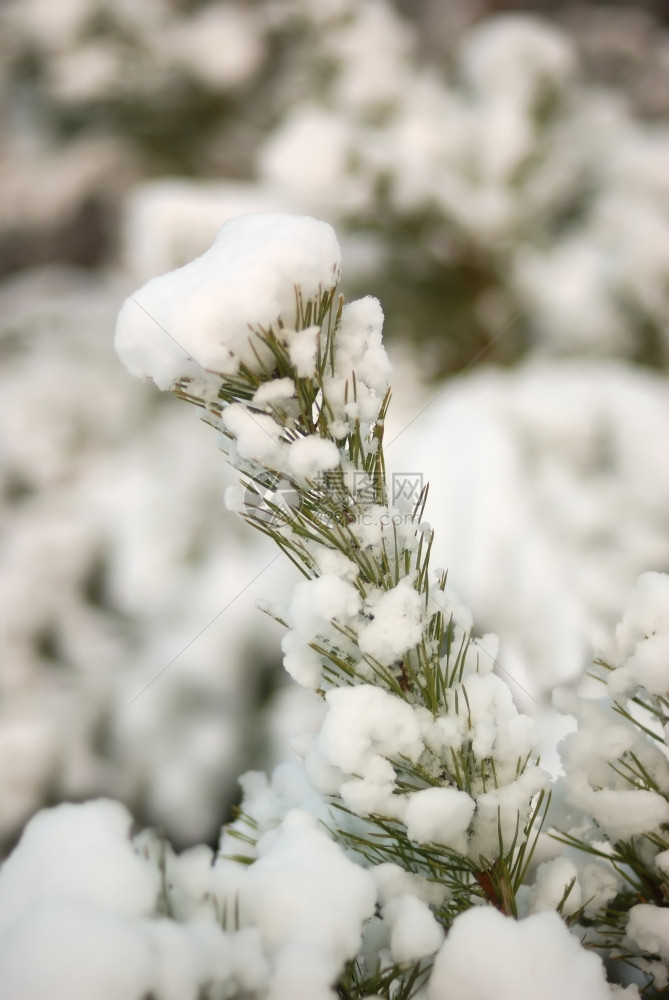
404,841
494,186
503,186
85,913
616,788
497,202
149,72
549,494
122,673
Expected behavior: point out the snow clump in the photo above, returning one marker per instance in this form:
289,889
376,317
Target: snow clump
207,315
641,658
524,959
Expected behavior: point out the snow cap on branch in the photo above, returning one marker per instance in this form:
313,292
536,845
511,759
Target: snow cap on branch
208,314
559,966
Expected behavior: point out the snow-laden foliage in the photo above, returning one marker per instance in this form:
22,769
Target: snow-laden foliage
116,556
406,836
550,495
121,62
616,786
417,800
497,191
112,563
381,638
492,185
536,957
539,194
204,321
117,553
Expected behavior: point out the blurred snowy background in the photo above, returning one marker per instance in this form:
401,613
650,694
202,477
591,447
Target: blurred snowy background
498,175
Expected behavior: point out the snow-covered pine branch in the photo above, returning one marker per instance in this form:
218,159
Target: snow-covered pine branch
422,764
402,855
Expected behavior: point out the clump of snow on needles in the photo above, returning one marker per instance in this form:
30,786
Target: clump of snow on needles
80,915
70,895
552,880
309,902
396,623
257,436
523,960
311,455
440,815
364,726
642,638
207,314
304,351
80,853
415,933
312,607
648,927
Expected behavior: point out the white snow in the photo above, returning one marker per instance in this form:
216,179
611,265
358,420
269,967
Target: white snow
76,951
580,479
648,666
497,729
393,882
206,315
309,456
487,716
335,562
314,603
415,933
549,486
599,885
303,351
662,861
257,436
302,662
125,495
550,885
76,900
359,344
641,656
501,810
620,812
364,722
596,785
441,816
489,955
363,727
396,625
274,391
80,853
648,928
309,902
